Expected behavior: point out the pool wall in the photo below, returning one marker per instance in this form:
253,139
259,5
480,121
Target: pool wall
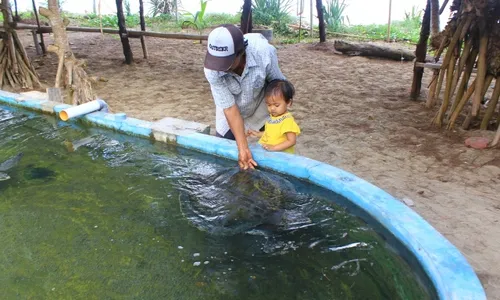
446,267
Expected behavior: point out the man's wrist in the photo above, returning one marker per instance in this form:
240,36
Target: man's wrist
242,145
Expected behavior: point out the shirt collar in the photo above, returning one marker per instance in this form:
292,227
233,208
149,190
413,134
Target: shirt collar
250,63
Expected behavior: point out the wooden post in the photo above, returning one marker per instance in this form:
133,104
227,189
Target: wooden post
35,41
421,52
143,28
42,43
443,6
245,17
16,16
322,31
389,23
127,51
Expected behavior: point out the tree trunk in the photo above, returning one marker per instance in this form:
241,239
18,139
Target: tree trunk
322,30
246,17
75,79
16,69
127,51
434,18
143,28
421,52
363,49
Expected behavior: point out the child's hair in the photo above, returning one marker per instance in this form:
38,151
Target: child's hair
280,88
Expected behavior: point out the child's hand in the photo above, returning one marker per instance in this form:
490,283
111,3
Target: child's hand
254,133
269,147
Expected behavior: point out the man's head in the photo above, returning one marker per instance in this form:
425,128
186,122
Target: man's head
225,47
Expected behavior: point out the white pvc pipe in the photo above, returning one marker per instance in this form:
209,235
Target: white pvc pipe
83,109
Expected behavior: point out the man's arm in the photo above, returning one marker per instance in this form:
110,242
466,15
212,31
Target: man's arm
235,121
224,99
236,124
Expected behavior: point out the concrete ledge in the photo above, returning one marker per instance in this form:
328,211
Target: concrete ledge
449,271
167,129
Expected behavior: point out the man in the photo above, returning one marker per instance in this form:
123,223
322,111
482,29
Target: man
238,67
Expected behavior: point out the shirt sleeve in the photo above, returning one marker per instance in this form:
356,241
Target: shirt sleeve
223,98
289,125
273,70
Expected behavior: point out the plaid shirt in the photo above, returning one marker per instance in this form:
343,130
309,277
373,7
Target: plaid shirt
247,90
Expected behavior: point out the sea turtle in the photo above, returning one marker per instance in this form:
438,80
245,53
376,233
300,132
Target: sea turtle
7,165
233,201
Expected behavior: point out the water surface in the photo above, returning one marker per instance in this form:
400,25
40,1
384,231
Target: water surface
89,214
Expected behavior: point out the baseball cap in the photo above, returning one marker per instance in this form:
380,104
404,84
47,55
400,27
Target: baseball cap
224,43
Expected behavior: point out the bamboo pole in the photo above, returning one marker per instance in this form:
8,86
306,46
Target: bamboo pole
481,73
491,105
496,139
439,86
461,105
432,90
465,79
446,99
453,42
461,64
470,117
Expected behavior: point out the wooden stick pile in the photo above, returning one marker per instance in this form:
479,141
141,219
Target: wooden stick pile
471,39
16,69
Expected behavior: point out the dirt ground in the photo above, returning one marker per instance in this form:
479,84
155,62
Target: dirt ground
355,114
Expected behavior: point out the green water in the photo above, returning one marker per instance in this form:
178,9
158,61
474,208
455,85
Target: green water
104,221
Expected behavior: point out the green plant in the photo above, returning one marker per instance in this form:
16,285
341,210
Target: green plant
127,8
197,20
273,13
166,7
414,15
402,31
221,18
334,14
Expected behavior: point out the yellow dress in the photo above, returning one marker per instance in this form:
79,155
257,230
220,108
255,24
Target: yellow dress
277,128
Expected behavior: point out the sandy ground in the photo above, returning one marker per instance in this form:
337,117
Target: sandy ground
355,114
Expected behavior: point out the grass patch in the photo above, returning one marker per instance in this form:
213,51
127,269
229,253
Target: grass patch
401,31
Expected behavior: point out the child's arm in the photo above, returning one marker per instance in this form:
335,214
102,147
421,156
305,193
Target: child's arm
291,139
255,133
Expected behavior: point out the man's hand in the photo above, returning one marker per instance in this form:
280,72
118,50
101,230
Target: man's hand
245,159
235,121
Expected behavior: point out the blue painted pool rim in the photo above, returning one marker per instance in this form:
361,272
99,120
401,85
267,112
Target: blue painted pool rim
446,267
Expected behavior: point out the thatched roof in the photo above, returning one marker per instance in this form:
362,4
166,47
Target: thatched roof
484,18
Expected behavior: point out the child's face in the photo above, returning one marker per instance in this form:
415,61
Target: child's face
276,105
